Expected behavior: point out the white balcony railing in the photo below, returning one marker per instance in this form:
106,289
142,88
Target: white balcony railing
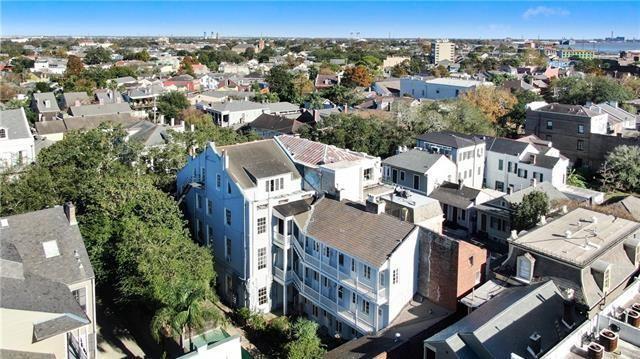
278,273
281,240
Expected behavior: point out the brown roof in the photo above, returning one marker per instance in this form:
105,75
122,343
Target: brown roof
364,235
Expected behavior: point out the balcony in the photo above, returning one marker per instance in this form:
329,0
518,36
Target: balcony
281,240
282,276
363,324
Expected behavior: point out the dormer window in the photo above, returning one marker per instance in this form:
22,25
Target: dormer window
524,267
601,272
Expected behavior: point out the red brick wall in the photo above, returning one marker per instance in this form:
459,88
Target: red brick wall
466,269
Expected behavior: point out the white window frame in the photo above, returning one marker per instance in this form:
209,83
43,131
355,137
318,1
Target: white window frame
262,258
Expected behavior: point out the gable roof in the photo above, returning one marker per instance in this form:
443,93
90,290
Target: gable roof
506,146
16,124
100,110
452,194
237,106
41,97
274,123
251,161
502,326
70,98
450,139
364,235
414,160
312,153
545,187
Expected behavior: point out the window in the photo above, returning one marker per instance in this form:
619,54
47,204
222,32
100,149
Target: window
382,279
353,265
549,125
327,252
353,297
209,234
580,145
499,186
463,214
262,225
228,187
416,182
580,128
401,175
227,248
198,202
209,206
202,174
606,279
218,180
365,306
367,272
547,137
3,133
227,216
262,258
500,165
262,296
368,174
338,326
340,291
341,259
81,297
515,168
274,184
524,267
395,276
509,166
325,282
314,310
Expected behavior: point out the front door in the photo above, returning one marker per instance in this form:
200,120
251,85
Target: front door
483,222
455,215
394,176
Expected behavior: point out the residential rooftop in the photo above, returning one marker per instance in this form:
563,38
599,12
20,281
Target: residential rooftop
15,123
313,154
416,160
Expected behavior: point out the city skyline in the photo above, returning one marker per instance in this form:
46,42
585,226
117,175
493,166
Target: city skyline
378,19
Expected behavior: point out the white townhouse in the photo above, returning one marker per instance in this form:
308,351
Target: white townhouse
229,194
280,248
467,152
17,146
438,88
418,170
350,270
236,113
512,165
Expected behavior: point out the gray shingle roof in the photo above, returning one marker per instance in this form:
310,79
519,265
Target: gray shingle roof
273,123
100,110
277,107
237,106
70,98
259,159
450,139
16,124
41,97
364,235
414,160
505,145
545,187
451,194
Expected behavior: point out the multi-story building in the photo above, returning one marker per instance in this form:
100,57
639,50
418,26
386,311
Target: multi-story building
575,53
512,165
230,193
17,146
236,113
591,253
418,170
467,152
581,133
47,287
443,50
438,88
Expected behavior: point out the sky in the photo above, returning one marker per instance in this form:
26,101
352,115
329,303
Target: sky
397,19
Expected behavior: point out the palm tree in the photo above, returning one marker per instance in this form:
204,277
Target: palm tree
190,310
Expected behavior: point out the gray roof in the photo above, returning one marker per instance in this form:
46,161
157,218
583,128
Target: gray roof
124,80
82,123
414,160
277,107
237,106
16,124
70,98
505,145
364,235
52,224
616,114
274,123
450,139
145,92
259,159
61,324
632,205
575,110
147,133
451,194
503,325
100,110
294,208
552,193
15,354
41,97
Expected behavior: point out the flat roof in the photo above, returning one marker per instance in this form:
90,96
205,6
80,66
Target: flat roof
587,239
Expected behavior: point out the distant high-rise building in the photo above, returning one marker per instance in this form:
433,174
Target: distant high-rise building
443,50
261,45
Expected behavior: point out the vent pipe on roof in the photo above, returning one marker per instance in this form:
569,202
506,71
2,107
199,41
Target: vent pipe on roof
70,212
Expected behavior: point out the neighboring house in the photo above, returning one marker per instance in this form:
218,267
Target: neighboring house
467,152
494,216
519,85
143,97
235,113
325,81
438,88
17,146
282,108
241,48
124,81
418,170
183,82
54,131
582,134
47,294
392,61
104,97
75,99
45,105
591,253
520,322
100,110
459,204
512,165
51,66
268,126
618,117
327,169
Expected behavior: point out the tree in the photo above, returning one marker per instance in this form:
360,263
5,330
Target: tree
97,55
188,311
142,55
171,104
597,89
621,169
401,69
74,66
186,65
357,76
304,342
528,212
512,122
281,82
339,94
576,179
494,103
440,71
302,85
608,89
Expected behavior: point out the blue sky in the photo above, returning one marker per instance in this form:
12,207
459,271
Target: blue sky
454,19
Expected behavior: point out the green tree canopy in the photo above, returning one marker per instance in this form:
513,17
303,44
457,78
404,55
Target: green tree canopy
304,343
621,169
97,55
172,104
528,212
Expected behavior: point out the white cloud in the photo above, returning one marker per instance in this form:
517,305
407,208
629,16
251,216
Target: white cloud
544,11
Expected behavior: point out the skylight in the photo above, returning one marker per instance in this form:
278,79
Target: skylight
50,249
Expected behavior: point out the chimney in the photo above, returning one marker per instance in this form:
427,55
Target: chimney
47,103
514,234
568,313
460,184
77,103
608,340
534,182
535,344
70,212
595,351
173,122
225,159
533,159
375,206
316,115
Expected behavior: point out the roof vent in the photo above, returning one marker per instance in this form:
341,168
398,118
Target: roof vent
4,223
594,220
567,234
